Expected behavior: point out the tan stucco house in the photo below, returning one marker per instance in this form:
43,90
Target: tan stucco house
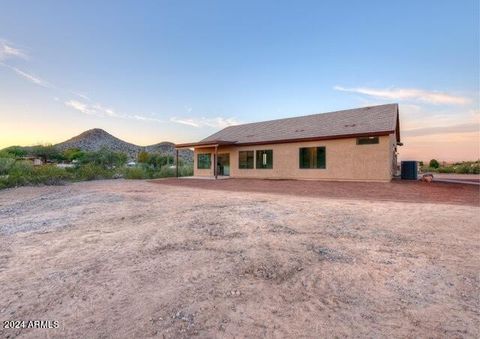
355,144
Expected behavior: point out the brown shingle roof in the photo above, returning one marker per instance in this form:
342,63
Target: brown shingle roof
373,120
358,121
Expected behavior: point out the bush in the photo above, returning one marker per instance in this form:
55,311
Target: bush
186,171
5,165
92,172
446,170
47,153
434,163
104,158
135,173
50,175
14,151
73,154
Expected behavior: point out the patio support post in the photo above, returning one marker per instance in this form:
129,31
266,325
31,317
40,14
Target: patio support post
215,158
176,162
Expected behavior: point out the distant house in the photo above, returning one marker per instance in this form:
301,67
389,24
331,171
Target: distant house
355,144
36,161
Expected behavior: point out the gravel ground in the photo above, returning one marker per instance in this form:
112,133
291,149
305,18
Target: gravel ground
129,259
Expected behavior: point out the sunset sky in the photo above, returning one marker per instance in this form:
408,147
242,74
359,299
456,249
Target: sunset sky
150,71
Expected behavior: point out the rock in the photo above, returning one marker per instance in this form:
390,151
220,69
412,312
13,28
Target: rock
427,177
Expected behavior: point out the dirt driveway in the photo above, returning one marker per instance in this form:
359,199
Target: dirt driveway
397,190
127,259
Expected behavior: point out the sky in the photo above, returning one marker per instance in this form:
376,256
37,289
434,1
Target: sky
151,71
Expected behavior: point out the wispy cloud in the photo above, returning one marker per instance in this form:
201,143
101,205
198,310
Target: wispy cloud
460,128
30,77
217,122
7,51
103,111
80,106
426,96
80,95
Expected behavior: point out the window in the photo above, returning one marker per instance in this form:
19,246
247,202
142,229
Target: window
312,157
265,159
204,161
245,159
367,140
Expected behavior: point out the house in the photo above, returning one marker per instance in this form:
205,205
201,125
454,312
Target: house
35,161
354,144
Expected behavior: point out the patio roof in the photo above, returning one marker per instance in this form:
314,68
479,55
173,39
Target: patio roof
205,144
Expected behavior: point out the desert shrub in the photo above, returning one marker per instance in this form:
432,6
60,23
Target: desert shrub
429,169
448,169
468,168
148,172
5,165
14,151
143,157
434,163
21,168
92,172
73,154
20,173
135,173
49,175
166,171
475,168
47,152
104,158
158,161
186,171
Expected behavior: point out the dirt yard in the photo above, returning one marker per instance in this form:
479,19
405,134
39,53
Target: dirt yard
126,259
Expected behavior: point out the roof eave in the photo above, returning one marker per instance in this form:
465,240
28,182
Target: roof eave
282,141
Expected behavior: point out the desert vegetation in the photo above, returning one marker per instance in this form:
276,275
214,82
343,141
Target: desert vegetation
464,167
17,166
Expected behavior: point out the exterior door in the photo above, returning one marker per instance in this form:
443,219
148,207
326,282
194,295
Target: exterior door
223,164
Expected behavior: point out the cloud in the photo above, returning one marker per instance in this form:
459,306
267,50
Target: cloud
144,118
217,122
30,77
457,129
7,51
431,97
80,95
81,107
103,111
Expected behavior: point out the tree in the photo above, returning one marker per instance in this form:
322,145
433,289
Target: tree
73,154
434,163
104,158
143,157
158,161
46,152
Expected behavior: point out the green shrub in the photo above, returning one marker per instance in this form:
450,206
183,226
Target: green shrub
446,170
14,151
5,165
73,154
105,158
135,173
434,163
92,172
186,171
50,175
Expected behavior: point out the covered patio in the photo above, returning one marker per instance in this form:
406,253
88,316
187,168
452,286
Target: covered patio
215,144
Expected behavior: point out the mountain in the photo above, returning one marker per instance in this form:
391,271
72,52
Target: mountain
96,139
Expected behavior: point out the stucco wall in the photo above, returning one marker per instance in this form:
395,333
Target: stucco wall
345,160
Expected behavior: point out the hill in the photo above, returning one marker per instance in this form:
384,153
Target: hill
96,139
